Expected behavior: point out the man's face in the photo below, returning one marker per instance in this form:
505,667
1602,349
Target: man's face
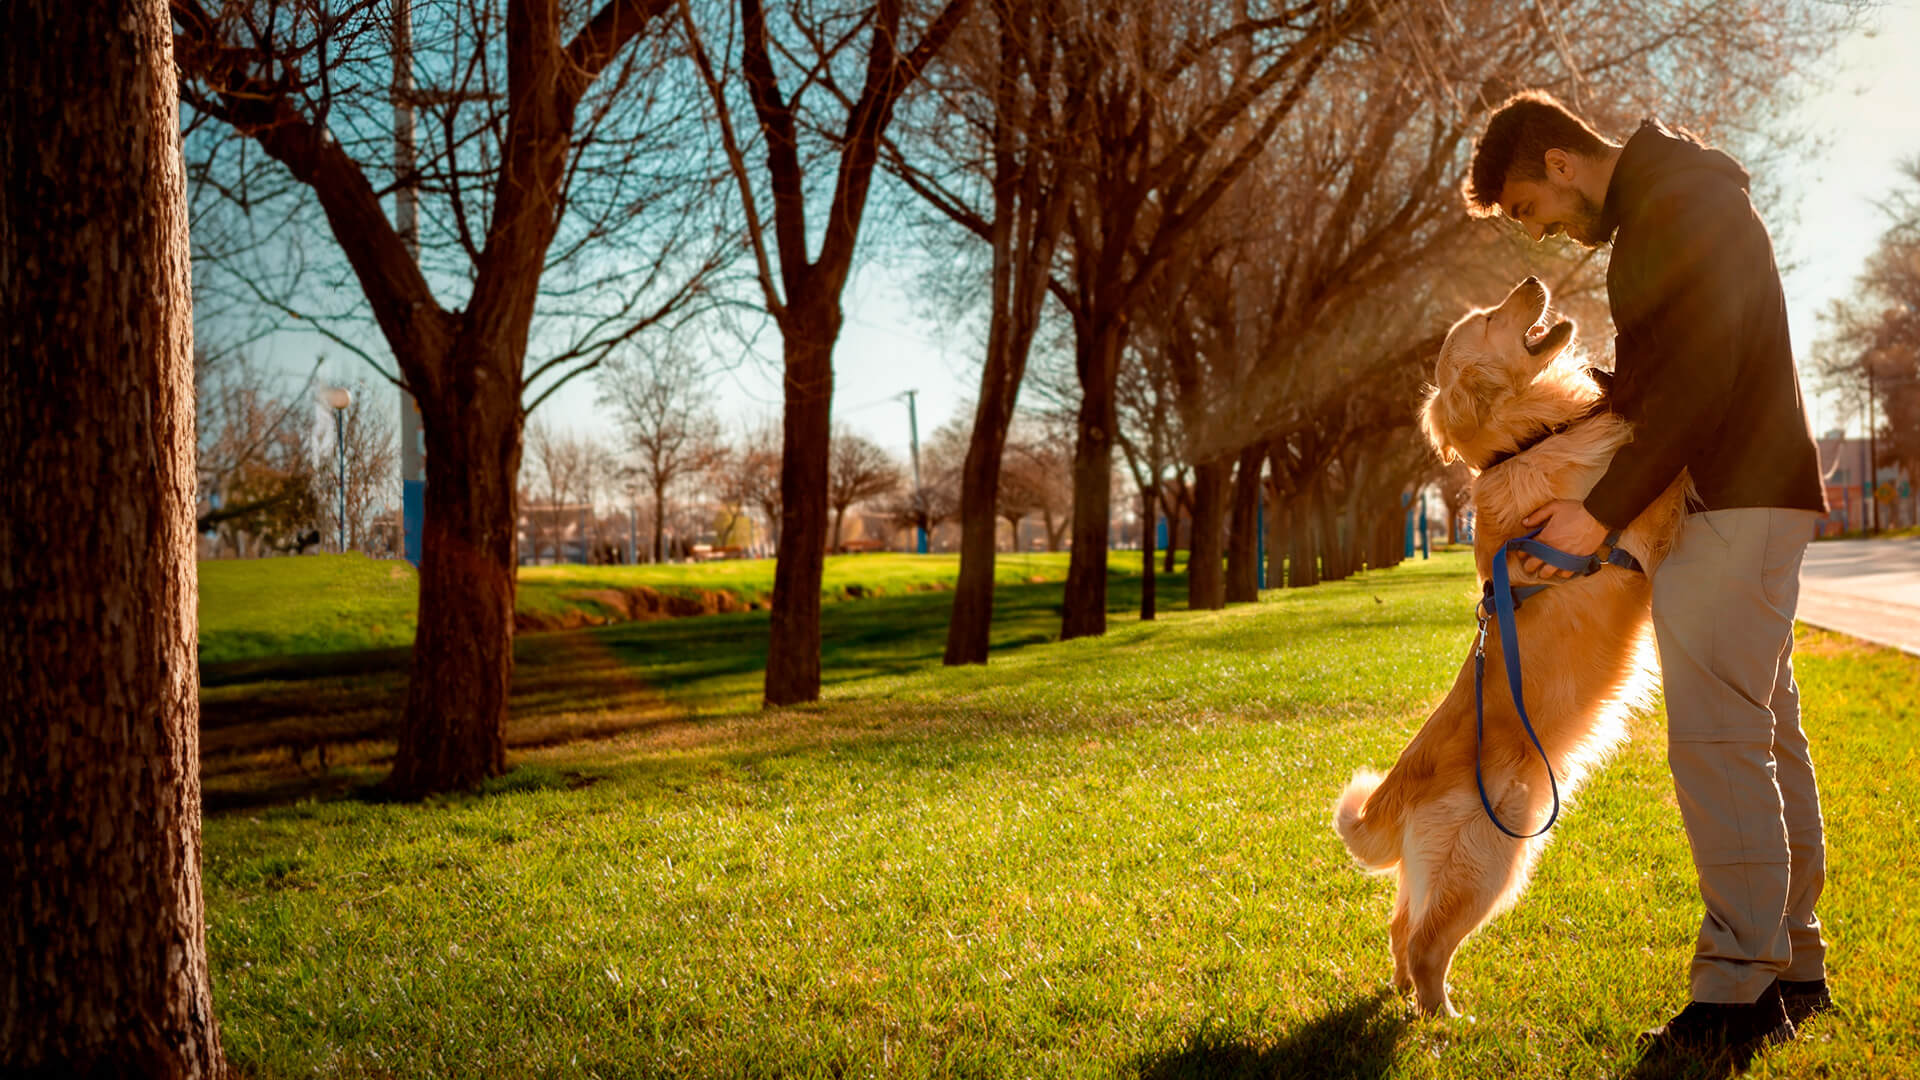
1553,206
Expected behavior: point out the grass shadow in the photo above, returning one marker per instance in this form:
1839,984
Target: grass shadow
1352,1042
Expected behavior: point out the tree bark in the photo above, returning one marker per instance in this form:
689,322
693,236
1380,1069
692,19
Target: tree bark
103,959
969,627
1086,594
1243,548
1303,558
454,741
793,654
1206,578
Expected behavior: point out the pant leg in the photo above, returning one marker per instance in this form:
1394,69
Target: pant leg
1723,621
1800,802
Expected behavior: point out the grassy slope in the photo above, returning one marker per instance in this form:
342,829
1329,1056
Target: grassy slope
252,608
1100,858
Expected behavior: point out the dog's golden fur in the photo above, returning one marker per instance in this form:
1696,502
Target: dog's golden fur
1587,646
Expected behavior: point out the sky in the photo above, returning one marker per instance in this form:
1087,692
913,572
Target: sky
1826,224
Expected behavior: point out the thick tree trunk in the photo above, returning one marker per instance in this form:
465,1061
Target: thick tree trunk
103,958
1086,595
1148,499
1303,557
1243,547
793,651
1206,576
455,732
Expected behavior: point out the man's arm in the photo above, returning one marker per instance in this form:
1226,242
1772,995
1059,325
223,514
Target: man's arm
1706,249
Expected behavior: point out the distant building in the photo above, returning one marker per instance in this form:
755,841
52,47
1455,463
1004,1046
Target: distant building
1844,464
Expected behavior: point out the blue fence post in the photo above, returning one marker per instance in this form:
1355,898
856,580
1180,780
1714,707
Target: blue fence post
1408,515
1260,533
1425,544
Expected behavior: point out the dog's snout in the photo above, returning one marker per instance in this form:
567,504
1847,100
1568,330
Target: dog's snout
1531,280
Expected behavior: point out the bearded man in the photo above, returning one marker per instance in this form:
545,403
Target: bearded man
1703,368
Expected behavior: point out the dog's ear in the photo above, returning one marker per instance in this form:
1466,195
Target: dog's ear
1451,416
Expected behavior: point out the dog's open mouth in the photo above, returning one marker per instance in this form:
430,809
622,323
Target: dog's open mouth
1541,337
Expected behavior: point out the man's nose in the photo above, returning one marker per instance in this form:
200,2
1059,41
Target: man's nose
1538,232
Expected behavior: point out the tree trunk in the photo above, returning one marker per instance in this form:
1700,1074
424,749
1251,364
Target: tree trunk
455,732
1148,500
1086,595
1243,548
1206,578
971,623
793,651
103,958
839,519
660,524
1303,560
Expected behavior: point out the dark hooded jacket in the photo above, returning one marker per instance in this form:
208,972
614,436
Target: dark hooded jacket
1703,366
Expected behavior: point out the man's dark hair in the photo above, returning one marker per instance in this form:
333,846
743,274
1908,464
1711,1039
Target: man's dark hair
1518,136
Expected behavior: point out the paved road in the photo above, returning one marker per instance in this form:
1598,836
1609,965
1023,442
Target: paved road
1867,588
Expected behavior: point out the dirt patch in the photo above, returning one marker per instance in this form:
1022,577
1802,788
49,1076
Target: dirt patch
600,607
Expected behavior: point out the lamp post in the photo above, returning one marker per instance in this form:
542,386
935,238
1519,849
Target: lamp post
337,399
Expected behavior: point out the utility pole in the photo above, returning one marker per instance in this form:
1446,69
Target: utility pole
406,214
919,498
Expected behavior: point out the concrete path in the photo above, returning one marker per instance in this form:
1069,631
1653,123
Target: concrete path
1869,589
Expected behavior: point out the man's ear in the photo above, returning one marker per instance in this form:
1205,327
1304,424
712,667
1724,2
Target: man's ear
1559,165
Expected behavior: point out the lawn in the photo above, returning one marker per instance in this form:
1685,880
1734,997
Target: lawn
255,608
1101,858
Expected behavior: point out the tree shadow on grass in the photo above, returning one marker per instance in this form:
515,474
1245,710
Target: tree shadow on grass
1354,1042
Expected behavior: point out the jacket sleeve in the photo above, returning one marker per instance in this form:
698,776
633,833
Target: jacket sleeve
1701,245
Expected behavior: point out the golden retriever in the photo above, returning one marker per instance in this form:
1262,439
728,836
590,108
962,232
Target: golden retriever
1504,379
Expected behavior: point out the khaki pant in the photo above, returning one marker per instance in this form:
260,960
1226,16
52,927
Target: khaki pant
1723,605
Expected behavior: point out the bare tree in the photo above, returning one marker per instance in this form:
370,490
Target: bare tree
562,471
1869,353
103,955
544,143
752,477
1016,88
804,299
857,470
665,408
254,462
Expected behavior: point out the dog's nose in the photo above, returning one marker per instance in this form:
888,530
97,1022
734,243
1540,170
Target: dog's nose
1531,280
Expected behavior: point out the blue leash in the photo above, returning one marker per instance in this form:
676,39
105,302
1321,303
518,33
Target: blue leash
1506,600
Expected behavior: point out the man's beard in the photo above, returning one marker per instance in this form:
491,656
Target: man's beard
1582,225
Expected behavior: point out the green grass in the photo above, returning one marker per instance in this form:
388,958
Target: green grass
258,608
1100,858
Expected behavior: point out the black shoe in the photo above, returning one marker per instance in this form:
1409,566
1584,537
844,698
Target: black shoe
1804,1000
1709,1034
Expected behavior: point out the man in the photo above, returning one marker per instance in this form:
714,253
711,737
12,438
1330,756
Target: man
1704,369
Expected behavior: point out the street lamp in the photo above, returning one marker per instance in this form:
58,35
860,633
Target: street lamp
337,399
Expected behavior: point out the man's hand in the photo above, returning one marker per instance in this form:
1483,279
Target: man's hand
1568,527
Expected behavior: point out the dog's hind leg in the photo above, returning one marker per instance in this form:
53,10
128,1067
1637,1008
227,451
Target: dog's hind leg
1477,875
1398,932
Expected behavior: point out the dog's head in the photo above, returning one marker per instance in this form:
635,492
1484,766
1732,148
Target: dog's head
1490,356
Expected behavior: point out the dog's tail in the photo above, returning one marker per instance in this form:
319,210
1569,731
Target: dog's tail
1368,824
